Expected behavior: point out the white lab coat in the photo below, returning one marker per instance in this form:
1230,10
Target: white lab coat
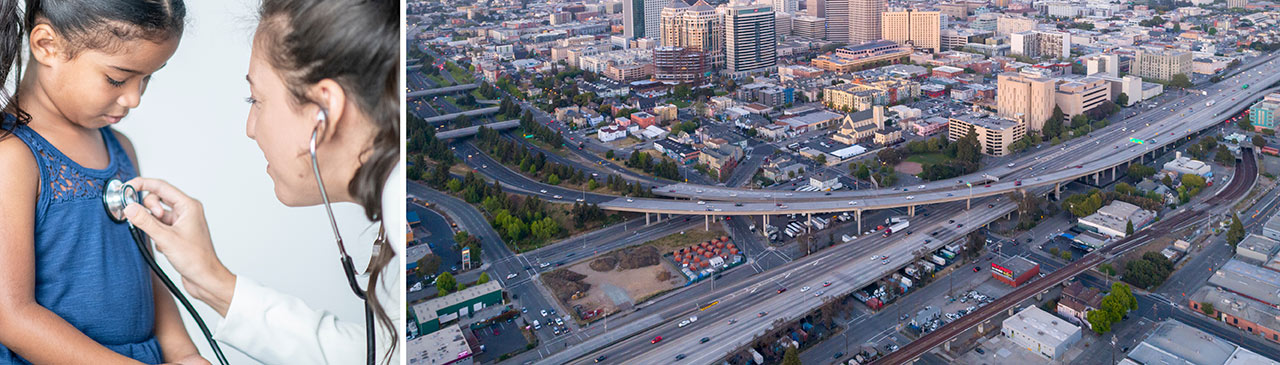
277,328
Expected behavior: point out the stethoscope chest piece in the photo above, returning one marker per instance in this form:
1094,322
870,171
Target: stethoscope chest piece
117,195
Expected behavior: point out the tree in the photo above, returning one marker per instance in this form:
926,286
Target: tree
455,185
1053,126
1128,228
1245,123
484,278
446,283
1106,268
608,154
1066,255
553,179
1078,121
1259,141
1180,80
821,159
428,265
863,172
1235,232
1123,99
791,357
1207,308
1099,320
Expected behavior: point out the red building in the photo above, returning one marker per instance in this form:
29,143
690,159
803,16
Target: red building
1015,270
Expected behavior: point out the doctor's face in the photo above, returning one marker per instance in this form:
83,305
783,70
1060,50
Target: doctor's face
282,129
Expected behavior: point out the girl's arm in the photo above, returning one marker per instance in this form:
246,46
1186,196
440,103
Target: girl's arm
175,341
26,327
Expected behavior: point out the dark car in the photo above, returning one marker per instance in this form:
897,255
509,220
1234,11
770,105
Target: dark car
838,355
680,357
704,340
979,350
601,358
782,290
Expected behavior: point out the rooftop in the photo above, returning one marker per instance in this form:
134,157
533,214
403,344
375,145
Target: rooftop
1251,281
426,311
1018,264
986,121
441,347
1041,326
1259,244
1174,343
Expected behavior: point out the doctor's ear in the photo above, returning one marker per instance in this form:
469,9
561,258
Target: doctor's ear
331,101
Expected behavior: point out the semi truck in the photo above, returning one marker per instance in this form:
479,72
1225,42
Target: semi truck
896,219
938,260
847,238
896,227
1210,103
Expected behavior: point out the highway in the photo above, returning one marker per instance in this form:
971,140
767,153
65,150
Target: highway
1246,173
1109,150
848,266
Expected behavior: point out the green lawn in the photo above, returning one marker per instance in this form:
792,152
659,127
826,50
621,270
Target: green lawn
927,158
440,81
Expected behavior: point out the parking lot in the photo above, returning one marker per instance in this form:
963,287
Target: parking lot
499,339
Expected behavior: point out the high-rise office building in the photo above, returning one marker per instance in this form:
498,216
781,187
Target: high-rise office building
817,8
641,18
864,20
920,29
837,14
1160,64
751,45
809,27
1026,98
697,27
786,6
1041,44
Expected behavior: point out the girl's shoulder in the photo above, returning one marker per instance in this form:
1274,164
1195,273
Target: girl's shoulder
19,171
125,144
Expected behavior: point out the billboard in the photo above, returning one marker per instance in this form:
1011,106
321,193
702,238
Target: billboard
1002,271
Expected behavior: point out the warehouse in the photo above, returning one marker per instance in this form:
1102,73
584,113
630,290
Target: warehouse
1014,270
1041,332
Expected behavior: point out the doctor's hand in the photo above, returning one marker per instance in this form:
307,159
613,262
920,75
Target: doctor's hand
182,235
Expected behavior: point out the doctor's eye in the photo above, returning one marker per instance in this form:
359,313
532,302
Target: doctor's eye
250,100
114,83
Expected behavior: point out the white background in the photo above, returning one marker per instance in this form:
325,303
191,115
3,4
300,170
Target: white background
190,130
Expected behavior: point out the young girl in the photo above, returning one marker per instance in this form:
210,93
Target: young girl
73,286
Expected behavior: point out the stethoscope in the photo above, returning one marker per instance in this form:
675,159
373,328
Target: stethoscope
118,195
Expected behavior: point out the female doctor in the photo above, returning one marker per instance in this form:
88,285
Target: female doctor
323,73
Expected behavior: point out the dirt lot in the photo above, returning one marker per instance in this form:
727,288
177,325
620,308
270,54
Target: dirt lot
612,290
908,167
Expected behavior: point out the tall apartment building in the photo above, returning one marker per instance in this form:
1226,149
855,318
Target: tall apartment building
864,20
1026,98
920,29
995,135
1160,64
642,18
1041,44
837,14
786,6
696,27
1237,3
751,45
680,64
809,26
1081,95
1007,25
816,8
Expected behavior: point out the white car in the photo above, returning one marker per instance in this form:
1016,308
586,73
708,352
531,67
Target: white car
512,276
558,197
544,265
630,200
851,202
1010,164
702,202
920,187
683,323
819,293
543,312
909,197
693,319
804,289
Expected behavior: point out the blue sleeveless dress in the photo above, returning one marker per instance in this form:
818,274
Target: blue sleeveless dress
88,269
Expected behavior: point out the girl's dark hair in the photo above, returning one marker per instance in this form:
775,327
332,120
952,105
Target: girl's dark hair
355,43
83,24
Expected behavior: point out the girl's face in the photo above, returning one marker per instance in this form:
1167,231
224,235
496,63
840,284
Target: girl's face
283,132
97,88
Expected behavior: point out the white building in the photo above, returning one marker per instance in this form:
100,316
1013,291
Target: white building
1041,332
1185,165
1113,219
611,132
446,346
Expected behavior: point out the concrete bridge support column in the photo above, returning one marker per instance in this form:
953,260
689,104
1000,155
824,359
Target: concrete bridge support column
808,228
762,227
1113,173
706,222
1057,191
947,345
982,329
857,216
911,210
646,219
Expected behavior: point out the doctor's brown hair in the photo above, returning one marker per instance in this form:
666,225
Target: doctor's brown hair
356,44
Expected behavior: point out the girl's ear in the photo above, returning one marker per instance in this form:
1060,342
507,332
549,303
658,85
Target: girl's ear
46,45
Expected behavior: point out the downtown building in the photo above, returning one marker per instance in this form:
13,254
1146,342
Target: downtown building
751,44
918,29
692,43
995,135
1026,98
1160,64
1041,44
641,18
864,20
